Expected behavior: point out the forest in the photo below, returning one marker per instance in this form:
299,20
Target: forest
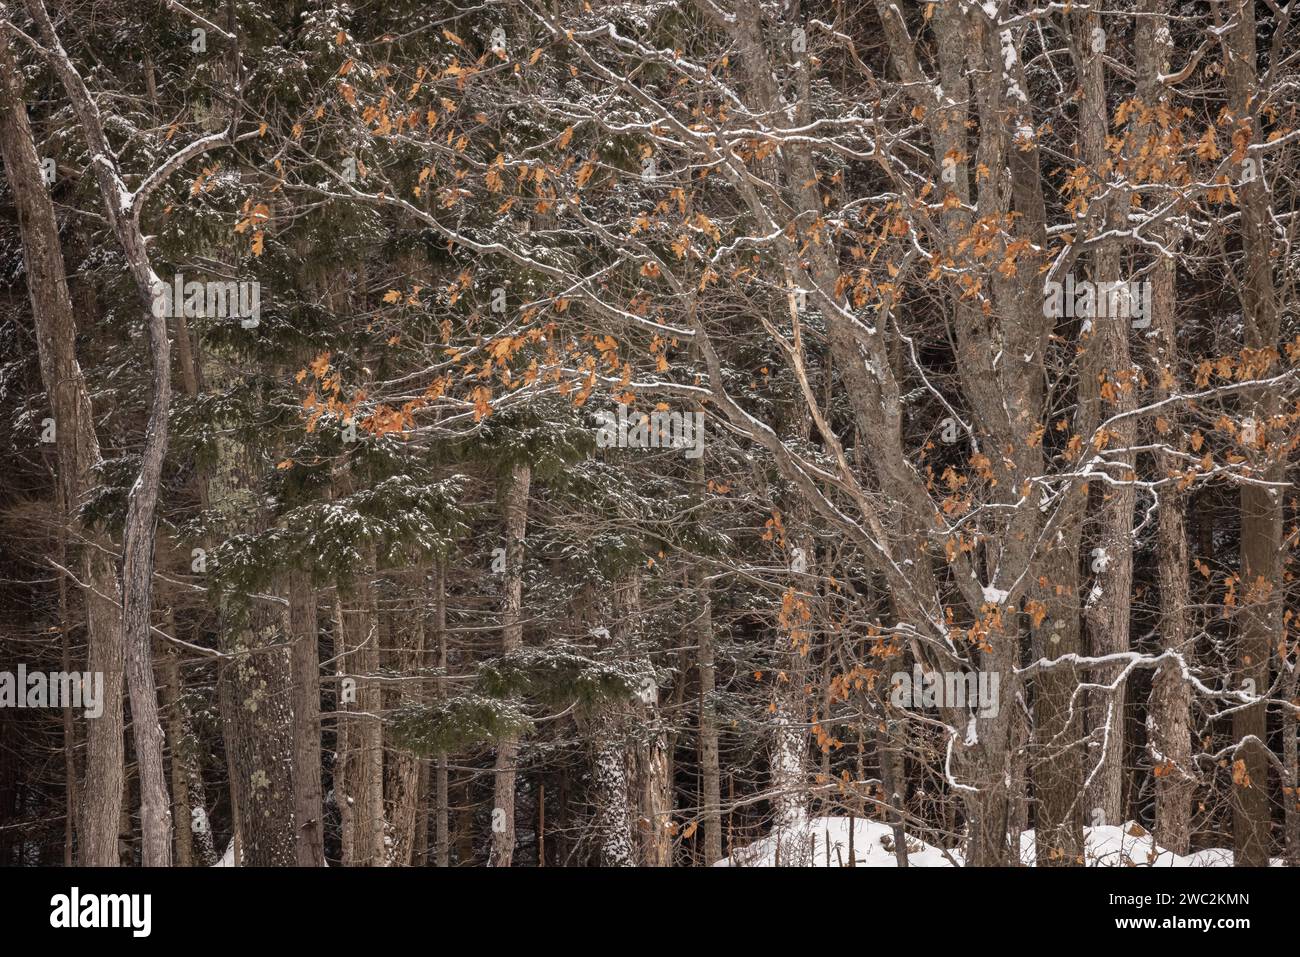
663,433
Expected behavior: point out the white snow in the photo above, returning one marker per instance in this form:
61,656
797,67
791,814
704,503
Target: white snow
228,858
806,845
1008,49
994,596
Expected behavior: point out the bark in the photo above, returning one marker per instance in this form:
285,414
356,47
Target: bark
363,790
612,824
1169,719
123,210
651,755
155,803
254,683
1291,764
1057,771
1259,621
256,722
194,839
465,822
344,734
514,505
892,783
985,763
710,774
442,792
78,451
176,734
69,740
308,801
1108,604
194,845
203,839
421,853
788,756
608,734
404,796
1169,733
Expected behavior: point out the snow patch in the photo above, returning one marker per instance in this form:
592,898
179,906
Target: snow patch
994,596
824,842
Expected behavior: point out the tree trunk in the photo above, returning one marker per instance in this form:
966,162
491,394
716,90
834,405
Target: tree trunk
404,795
1291,765
256,721
364,789
710,774
122,212
1108,604
254,684
78,450
345,771
651,756
176,735
1169,719
1056,771
514,502
305,673
612,824
1259,622
442,791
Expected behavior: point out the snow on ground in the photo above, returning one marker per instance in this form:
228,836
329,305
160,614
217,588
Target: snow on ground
807,845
